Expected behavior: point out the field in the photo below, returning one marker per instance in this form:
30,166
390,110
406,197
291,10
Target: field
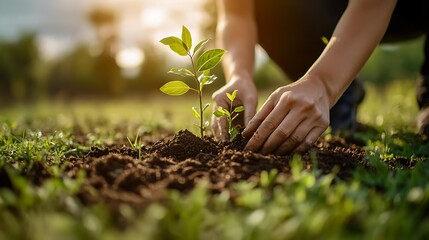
125,169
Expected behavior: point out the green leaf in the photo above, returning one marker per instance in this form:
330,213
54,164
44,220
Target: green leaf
219,112
200,45
206,106
210,79
196,113
233,132
186,38
232,96
239,109
183,72
175,44
206,80
175,88
210,59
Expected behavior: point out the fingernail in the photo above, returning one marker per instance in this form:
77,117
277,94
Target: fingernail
245,133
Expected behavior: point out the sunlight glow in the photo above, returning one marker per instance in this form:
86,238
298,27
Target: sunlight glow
153,17
52,48
130,57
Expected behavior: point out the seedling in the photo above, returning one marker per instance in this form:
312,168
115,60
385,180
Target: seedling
200,71
136,145
230,115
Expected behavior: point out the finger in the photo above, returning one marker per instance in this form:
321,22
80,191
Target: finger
295,138
297,143
309,140
257,119
266,128
282,132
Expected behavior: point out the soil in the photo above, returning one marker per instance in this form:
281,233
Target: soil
116,174
120,174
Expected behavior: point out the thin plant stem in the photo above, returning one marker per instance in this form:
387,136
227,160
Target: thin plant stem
200,96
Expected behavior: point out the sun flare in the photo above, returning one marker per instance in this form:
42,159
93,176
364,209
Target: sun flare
130,57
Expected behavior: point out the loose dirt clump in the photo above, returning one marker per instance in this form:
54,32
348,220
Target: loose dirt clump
116,175
185,145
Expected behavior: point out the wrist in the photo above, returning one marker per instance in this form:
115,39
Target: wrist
327,88
241,77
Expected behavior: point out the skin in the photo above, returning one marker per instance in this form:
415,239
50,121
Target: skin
295,115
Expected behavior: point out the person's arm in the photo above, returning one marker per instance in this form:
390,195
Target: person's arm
294,116
236,33
358,32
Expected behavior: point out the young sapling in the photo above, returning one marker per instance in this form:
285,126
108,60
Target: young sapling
200,71
230,115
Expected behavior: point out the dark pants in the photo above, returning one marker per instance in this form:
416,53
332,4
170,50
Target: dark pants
291,31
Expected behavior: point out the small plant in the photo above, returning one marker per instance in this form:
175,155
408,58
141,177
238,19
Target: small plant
200,71
136,145
230,115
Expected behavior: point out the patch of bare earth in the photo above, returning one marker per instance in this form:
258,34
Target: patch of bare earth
116,175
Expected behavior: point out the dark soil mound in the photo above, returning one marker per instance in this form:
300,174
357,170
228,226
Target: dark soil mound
181,161
185,145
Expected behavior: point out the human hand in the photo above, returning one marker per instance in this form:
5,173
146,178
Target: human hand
291,120
246,96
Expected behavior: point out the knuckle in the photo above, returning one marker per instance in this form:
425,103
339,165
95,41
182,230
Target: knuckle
288,99
269,125
310,105
283,133
295,139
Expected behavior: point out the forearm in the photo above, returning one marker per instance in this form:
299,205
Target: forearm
358,32
236,33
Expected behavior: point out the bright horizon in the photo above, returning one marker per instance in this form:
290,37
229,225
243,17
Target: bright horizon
60,25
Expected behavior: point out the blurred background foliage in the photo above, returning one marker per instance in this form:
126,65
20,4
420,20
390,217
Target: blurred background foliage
101,69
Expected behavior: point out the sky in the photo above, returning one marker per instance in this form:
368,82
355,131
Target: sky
61,24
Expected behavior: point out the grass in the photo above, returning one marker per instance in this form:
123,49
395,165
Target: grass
391,109
386,203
